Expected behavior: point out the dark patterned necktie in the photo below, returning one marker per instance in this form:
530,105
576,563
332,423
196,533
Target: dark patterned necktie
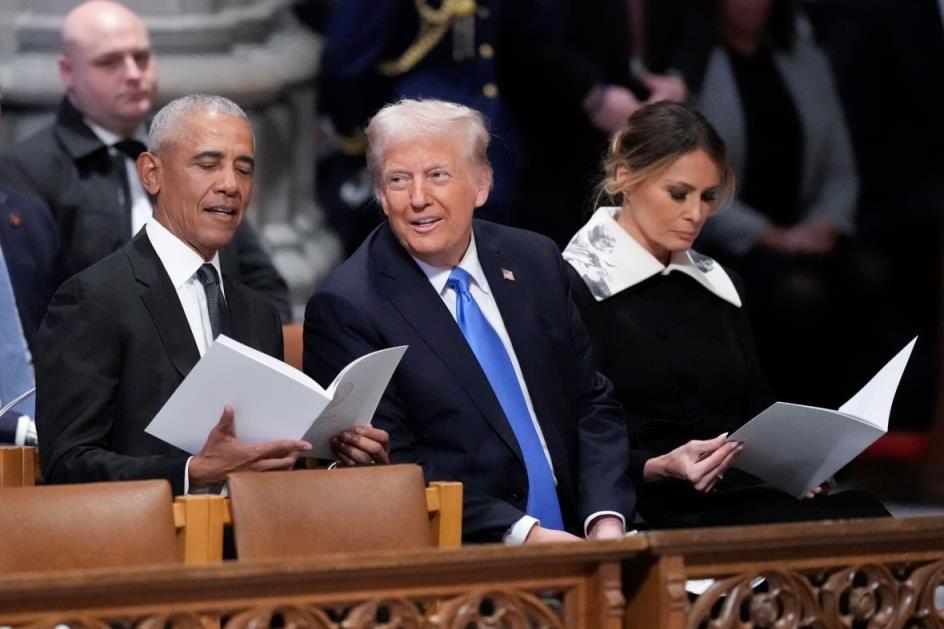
216,305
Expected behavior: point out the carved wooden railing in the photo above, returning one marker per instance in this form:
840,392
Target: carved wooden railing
844,574
566,585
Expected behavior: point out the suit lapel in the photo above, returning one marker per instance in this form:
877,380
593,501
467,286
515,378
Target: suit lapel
514,294
410,292
160,300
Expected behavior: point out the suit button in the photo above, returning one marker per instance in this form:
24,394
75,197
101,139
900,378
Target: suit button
490,90
486,51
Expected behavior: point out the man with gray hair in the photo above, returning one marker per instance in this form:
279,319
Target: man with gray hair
120,336
498,389
82,165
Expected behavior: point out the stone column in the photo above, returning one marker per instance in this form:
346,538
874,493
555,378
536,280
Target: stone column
252,51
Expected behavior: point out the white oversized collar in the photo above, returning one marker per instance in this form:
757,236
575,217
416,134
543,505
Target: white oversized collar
609,260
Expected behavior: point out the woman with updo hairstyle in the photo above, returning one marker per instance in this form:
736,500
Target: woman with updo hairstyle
670,331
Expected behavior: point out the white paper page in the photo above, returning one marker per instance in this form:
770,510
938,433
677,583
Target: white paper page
873,402
795,448
271,400
356,391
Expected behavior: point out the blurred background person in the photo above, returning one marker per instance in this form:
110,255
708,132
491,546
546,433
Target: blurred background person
379,51
31,269
82,165
573,71
789,232
669,330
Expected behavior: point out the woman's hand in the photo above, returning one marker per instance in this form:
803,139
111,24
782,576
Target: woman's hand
701,463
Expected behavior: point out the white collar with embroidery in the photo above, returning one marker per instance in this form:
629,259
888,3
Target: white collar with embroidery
609,260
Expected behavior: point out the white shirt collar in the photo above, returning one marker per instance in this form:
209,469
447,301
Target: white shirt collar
609,260
109,138
180,261
438,276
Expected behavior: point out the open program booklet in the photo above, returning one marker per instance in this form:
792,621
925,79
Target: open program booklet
795,447
271,400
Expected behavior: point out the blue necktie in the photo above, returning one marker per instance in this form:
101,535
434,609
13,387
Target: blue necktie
498,368
16,372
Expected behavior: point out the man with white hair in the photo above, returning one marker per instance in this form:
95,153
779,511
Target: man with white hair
82,165
497,389
120,337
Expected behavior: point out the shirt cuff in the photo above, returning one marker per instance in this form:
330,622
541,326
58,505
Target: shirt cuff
187,476
22,426
202,491
518,532
594,516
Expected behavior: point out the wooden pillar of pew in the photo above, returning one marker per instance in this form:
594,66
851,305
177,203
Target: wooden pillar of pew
18,466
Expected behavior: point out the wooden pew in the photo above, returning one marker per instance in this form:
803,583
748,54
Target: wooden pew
878,573
561,585
200,521
855,573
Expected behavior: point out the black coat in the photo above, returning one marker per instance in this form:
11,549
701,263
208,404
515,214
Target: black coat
683,364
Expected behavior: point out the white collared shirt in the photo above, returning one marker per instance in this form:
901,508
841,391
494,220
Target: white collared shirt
181,263
609,260
141,209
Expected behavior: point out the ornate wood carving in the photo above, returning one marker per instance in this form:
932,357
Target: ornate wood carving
767,599
863,596
490,608
291,617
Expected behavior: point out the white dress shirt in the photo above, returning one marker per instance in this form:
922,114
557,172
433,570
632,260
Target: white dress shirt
181,263
141,209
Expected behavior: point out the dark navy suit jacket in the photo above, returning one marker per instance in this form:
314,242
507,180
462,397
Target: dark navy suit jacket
439,408
30,244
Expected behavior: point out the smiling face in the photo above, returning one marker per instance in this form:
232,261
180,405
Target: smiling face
107,66
665,213
429,189
202,179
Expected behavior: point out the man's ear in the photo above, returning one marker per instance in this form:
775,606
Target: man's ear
483,185
65,71
149,170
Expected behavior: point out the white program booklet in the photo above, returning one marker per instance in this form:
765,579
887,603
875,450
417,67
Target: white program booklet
795,447
271,400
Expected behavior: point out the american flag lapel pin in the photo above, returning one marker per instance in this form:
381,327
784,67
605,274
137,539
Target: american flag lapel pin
508,275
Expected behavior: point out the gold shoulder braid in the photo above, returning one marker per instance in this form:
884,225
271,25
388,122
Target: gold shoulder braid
434,24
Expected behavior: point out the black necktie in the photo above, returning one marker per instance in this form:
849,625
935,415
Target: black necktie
216,305
131,148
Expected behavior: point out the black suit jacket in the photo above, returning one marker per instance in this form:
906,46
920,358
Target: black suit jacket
30,245
114,345
439,408
71,170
